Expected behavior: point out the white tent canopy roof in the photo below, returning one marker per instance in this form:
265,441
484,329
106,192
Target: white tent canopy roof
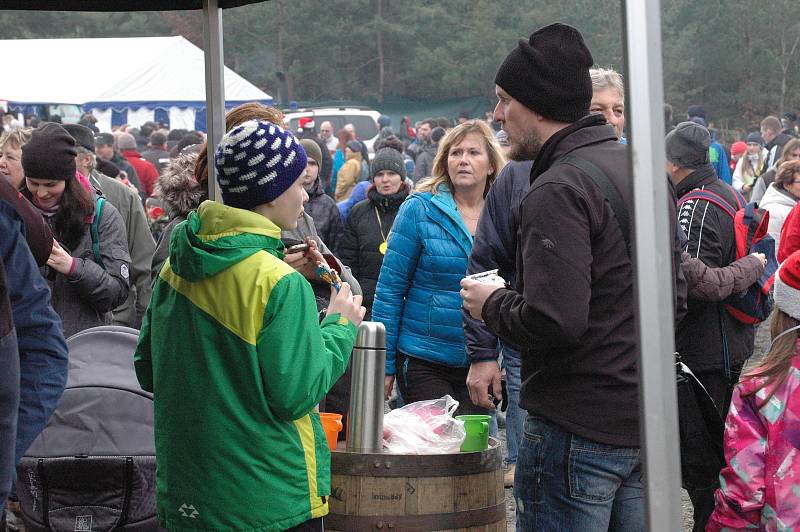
148,71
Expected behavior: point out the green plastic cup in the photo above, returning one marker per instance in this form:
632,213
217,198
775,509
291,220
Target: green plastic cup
477,427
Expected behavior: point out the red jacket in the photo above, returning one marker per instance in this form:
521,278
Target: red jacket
148,174
790,235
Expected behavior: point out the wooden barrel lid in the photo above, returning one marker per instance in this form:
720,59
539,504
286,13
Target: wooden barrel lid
417,465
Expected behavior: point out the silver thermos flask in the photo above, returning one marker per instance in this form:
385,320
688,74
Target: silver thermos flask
365,415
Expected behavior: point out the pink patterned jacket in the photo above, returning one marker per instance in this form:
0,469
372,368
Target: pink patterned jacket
760,486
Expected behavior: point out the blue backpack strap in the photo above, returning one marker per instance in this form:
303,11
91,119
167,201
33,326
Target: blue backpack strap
95,231
711,197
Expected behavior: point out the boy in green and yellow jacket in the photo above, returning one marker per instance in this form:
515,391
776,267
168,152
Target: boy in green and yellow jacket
233,351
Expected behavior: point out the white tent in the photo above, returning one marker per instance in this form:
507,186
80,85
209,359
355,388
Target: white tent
135,79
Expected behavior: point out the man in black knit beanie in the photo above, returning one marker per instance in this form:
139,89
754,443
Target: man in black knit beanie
571,306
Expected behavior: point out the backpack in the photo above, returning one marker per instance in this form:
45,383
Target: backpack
750,229
94,231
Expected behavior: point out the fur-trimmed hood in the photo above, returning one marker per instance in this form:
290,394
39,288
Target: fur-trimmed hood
178,190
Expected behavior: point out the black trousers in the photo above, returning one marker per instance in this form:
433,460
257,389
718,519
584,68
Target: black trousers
420,380
720,388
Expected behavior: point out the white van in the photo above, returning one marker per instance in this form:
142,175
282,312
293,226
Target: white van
365,121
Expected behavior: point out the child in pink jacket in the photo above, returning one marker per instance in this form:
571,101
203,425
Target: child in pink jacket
760,487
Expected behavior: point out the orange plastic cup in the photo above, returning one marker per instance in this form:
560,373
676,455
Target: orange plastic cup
332,424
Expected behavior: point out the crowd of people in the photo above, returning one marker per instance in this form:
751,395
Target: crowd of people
241,336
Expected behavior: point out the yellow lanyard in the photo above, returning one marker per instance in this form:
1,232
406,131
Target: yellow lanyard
384,245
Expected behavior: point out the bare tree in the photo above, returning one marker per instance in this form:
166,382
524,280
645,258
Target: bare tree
790,40
379,41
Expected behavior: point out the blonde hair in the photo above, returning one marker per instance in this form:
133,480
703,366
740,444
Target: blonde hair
439,175
774,368
607,78
16,138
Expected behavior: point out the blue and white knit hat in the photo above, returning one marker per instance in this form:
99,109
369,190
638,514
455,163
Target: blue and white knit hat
256,162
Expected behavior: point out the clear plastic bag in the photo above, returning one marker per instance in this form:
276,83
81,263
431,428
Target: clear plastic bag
424,427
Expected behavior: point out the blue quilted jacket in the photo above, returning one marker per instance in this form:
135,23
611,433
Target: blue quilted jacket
417,297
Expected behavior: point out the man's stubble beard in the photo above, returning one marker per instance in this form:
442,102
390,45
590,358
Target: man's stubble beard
527,148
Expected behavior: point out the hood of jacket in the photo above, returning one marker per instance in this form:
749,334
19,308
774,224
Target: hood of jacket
316,189
215,237
354,155
442,210
777,196
178,190
780,140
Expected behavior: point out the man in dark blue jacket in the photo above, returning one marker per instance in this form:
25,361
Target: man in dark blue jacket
40,341
495,247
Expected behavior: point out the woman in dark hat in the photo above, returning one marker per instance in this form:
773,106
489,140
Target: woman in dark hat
369,222
749,165
89,268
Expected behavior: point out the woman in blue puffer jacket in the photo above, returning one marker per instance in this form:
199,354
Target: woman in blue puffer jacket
417,296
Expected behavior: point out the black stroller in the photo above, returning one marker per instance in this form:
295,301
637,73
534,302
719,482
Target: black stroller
93,468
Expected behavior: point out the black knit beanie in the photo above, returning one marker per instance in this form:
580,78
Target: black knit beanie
549,73
50,154
387,159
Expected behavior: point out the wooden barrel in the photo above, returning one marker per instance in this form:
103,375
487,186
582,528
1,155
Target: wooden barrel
408,493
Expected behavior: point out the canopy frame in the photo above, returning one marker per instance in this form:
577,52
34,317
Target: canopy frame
653,266
652,260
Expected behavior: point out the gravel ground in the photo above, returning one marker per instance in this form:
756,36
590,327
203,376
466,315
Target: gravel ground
761,345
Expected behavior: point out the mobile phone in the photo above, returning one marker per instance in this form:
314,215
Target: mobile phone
298,248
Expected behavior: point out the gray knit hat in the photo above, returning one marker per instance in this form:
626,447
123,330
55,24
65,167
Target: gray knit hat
688,144
387,159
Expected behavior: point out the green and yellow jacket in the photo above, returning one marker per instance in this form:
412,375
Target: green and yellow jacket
233,351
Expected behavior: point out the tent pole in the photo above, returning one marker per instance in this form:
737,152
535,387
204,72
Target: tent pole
215,86
657,392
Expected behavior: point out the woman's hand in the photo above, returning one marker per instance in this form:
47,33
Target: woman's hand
388,384
59,259
346,304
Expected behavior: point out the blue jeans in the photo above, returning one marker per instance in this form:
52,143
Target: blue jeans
9,410
565,482
515,416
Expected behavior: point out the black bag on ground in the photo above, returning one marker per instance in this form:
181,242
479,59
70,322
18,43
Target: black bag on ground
93,467
701,431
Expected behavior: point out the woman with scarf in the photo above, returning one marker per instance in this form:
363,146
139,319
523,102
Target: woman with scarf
89,267
370,221
748,167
